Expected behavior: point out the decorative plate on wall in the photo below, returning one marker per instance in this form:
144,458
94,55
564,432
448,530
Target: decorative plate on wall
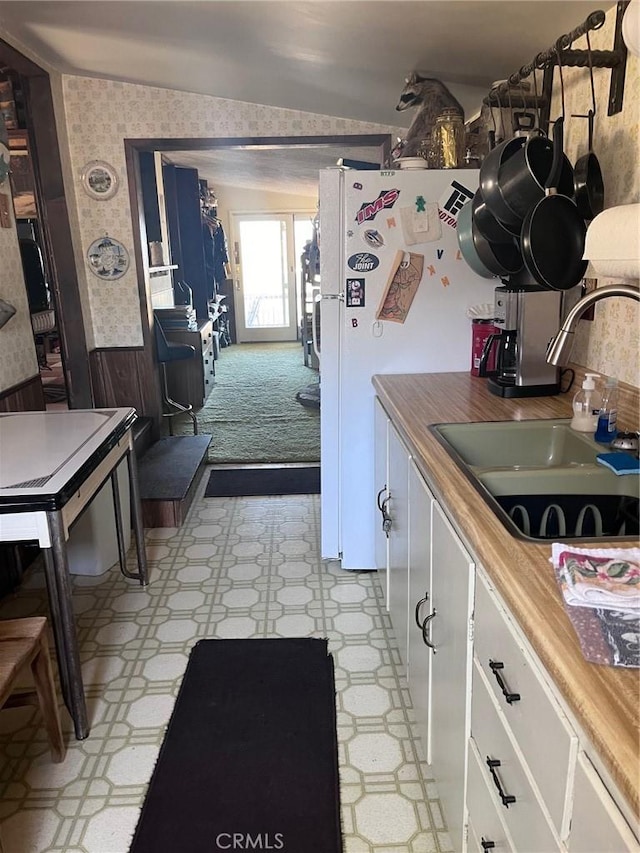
108,258
100,180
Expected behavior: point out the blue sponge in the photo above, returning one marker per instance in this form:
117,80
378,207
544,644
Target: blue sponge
620,463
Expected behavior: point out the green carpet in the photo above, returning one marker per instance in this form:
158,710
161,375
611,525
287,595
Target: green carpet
252,412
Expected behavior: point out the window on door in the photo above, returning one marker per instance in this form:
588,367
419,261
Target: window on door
267,248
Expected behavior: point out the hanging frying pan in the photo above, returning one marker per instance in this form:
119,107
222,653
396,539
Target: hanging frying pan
553,232
588,184
486,223
465,243
490,188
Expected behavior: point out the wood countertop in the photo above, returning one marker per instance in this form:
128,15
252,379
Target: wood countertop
604,700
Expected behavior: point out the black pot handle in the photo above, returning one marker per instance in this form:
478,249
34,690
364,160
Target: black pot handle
556,166
484,358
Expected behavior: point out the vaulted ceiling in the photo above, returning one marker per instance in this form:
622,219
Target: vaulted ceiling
345,58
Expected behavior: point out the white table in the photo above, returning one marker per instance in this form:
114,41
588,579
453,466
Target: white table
52,464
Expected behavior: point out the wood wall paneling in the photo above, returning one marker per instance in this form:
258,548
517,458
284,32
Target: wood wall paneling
126,376
28,396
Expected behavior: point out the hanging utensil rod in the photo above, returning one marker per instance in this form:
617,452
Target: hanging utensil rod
548,58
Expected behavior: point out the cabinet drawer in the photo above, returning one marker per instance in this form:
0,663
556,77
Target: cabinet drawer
485,823
524,817
208,361
206,337
597,826
542,731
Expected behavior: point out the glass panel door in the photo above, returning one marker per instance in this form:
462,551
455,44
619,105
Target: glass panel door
265,278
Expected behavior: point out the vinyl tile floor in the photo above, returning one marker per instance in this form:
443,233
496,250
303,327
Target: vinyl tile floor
238,567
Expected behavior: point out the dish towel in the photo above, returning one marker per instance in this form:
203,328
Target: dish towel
601,594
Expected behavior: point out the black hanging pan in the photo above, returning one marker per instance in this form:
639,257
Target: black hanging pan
553,231
588,186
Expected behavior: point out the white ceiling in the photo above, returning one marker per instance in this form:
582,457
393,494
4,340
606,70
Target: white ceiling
291,170
345,58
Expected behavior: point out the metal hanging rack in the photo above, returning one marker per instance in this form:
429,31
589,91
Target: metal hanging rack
545,61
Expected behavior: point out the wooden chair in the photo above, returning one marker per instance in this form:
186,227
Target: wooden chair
23,642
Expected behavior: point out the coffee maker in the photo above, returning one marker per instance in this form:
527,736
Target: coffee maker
527,320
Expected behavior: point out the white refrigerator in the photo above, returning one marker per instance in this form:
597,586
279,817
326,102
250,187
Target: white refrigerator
394,296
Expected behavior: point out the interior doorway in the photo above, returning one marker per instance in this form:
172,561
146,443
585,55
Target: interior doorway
266,288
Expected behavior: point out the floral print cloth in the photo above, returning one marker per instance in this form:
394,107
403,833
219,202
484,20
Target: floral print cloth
603,577
601,593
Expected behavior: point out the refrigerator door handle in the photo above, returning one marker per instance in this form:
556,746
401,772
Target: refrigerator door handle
315,317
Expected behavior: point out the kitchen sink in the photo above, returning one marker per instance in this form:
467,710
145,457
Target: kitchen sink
536,444
542,481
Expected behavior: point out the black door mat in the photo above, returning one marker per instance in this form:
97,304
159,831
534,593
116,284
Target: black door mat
245,482
250,758
167,469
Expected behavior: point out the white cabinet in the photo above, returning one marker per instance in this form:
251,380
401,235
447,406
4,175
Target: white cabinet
420,611
451,632
486,828
523,696
381,475
597,826
520,807
517,720
430,584
398,567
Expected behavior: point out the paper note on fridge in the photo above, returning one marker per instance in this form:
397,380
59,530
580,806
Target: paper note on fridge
402,285
420,226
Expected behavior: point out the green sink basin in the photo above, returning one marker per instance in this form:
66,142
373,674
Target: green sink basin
542,443
542,481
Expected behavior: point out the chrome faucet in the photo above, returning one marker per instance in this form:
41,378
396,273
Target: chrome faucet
560,347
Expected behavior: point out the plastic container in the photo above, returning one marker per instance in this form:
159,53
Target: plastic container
92,548
607,429
586,405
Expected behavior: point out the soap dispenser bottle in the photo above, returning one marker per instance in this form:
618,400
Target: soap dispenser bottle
586,405
607,420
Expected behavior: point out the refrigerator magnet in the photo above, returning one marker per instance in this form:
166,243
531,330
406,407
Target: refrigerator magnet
452,201
372,237
363,262
355,293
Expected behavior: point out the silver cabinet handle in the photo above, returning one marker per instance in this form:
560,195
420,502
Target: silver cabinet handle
425,631
382,506
418,606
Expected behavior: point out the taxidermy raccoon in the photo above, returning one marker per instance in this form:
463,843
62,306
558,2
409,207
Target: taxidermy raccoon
431,97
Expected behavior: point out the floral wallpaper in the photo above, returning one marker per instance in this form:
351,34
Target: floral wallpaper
98,115
610,345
